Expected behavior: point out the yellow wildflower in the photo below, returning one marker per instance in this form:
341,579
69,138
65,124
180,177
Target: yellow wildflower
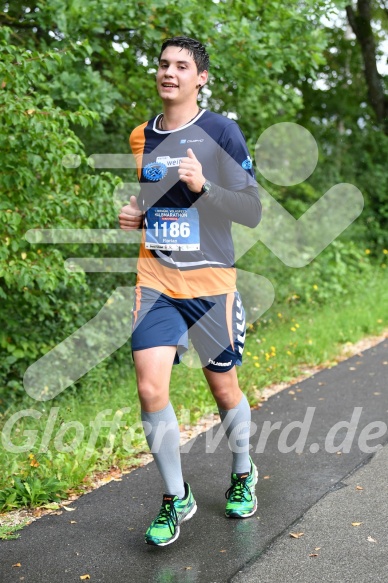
315,286
257,364
293,329
367,251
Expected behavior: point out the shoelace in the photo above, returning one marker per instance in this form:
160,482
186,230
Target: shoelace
238,490
167,515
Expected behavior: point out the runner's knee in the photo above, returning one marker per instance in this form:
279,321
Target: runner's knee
152,396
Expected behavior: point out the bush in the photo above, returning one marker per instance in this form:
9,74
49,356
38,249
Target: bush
41,301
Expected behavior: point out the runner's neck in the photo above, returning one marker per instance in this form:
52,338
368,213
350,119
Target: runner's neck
170,120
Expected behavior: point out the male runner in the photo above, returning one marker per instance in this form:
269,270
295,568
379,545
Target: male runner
196,178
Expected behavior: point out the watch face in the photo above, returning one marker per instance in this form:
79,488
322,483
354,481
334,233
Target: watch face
206,187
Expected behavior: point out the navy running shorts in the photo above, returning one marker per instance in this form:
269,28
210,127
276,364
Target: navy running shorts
214,324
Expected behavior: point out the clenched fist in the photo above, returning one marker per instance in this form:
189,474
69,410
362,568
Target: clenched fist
130,217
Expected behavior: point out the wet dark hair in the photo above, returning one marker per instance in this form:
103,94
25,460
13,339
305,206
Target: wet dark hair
195,48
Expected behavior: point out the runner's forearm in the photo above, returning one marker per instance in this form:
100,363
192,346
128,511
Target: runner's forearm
242,207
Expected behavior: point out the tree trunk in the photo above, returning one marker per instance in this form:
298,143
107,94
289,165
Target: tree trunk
360,21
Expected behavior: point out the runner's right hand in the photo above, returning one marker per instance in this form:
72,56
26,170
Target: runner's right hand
130,216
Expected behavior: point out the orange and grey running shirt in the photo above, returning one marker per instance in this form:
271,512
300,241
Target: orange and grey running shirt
187,247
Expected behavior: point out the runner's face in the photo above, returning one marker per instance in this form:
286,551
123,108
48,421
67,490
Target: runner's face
177,77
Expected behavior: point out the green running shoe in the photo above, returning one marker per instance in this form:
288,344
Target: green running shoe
164,530
242,501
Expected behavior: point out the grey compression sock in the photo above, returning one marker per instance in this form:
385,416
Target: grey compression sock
236,423
162,433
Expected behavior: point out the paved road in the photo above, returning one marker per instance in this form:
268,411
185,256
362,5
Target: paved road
331,549
311,490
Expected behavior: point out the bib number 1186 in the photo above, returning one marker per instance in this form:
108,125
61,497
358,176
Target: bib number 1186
173,230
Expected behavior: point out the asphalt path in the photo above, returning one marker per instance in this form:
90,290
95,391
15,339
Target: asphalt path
343,538
304,485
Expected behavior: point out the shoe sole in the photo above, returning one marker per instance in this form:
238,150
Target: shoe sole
236,514
177,532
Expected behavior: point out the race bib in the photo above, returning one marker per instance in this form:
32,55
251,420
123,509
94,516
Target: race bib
172,229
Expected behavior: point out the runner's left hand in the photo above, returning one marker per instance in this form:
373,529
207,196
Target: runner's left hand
190,172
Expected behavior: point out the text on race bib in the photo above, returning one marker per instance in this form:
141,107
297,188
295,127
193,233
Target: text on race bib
172,229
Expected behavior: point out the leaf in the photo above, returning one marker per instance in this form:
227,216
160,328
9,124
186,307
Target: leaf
296,534
69,509
313,555
371,540
51,506
266,477
359,488
17,565
83,577
356,523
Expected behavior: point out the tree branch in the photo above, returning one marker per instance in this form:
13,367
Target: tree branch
7,20
352,19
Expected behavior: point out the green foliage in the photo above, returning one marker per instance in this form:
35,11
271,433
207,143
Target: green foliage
7,530
359,156
254,46
37,191
30,492
338,112
331,275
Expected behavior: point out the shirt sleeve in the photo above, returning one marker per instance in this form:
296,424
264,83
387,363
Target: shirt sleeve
242,206
236,197
235,162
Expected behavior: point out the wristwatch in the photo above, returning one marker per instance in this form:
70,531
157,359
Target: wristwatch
206,187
